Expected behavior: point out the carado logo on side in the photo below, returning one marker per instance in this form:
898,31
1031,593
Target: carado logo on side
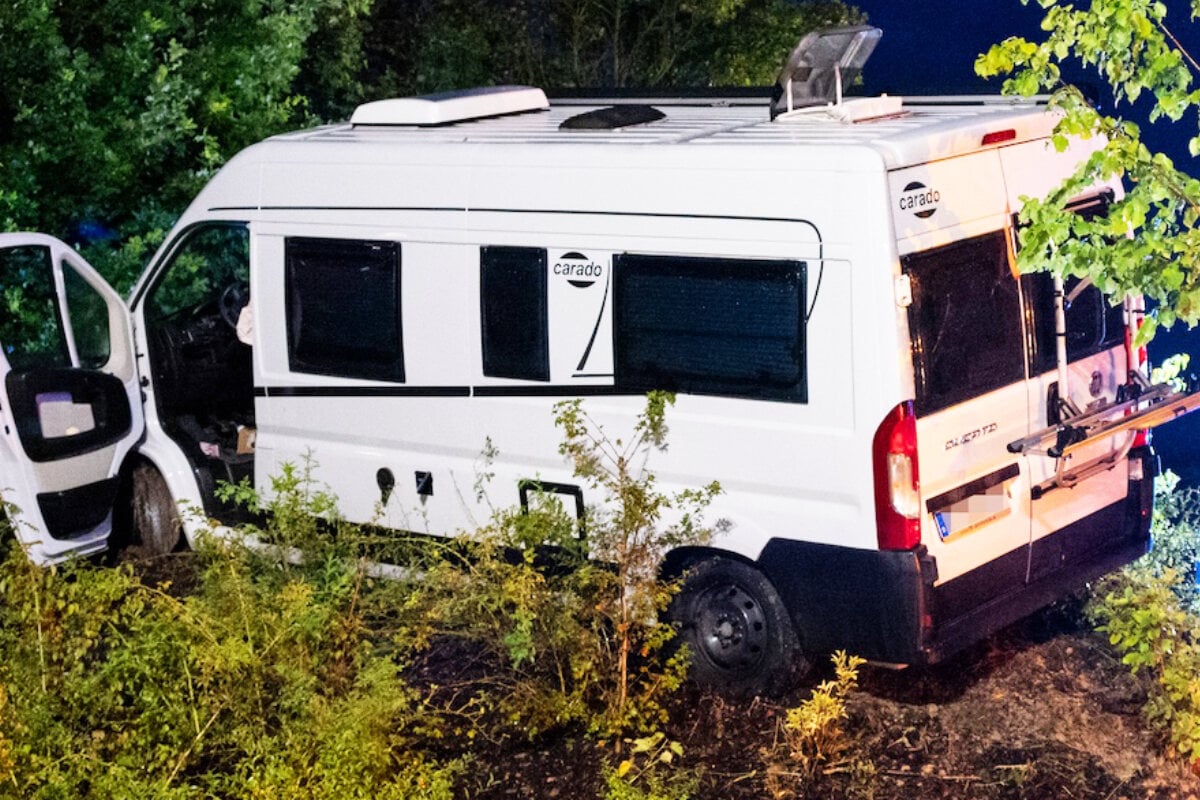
580,271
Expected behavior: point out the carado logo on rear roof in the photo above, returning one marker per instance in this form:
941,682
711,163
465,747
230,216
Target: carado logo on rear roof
920,200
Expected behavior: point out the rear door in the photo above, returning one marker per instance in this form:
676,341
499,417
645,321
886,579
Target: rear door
1089,478
966,323
1095,476
70,404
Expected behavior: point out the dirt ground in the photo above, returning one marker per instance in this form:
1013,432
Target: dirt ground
1042,710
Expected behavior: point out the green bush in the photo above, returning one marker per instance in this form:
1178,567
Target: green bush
575,619
649,772
812,738
1149,611
288,671
264,683
1176,531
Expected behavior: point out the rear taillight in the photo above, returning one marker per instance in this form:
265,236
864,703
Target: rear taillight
897,480
1138,360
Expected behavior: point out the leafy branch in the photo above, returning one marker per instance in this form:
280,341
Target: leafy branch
1148,241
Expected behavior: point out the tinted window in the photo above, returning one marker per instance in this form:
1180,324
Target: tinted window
965,321
1092,324
343,308
30,330
710,326
512,304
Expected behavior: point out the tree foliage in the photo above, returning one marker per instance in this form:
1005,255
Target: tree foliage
114,116
1129,45
613,43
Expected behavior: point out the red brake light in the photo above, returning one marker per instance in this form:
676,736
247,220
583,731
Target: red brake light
897,481
996,137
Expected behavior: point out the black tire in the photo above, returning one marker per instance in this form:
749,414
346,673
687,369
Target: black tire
739,635
154,515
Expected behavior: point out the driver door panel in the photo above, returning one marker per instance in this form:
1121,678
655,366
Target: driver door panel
69,397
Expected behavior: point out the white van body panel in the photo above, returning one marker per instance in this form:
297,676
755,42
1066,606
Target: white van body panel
1092,379
799,192
740,447
655,200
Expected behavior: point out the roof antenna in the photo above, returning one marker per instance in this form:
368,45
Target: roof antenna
816,69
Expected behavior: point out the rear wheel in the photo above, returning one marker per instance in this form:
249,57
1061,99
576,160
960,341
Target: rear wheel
155,524
738,633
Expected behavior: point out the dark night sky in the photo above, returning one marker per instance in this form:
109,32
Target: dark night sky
929,47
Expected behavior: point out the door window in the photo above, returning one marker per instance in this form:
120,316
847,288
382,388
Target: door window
88,313
965,321
1093,325
30,326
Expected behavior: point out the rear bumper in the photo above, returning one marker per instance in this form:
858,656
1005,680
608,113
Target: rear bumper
884,606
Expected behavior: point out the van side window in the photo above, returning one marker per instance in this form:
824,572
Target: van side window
730,327
965,321
343,308
513,316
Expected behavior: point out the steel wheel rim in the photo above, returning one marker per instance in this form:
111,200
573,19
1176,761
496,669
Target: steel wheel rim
731,627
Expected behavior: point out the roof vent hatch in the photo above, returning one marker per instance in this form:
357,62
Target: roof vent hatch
820,65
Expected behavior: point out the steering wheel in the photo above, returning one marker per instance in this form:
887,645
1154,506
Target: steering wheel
232,300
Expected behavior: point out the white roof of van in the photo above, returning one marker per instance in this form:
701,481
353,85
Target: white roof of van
925,129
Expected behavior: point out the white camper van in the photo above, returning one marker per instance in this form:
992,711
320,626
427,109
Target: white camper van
917,445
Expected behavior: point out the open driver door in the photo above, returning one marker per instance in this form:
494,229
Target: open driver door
70,404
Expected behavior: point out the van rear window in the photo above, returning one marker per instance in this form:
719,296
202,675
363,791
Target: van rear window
731,327
965,321
343,308
1093,325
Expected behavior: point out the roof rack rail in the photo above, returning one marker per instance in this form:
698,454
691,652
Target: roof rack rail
976,100
445,108
695,96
